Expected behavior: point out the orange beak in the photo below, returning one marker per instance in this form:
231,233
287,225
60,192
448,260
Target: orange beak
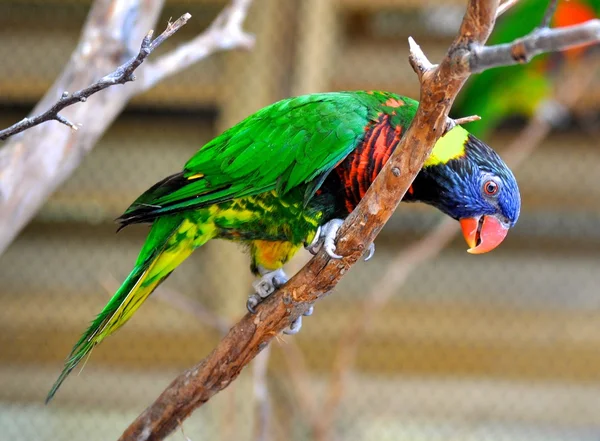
483,233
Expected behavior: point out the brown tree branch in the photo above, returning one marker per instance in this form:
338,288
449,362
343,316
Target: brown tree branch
439,87
33,163
572,86
121,75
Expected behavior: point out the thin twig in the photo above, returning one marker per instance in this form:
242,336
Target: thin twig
225,33
121,75
539,41
417,59
550,10
451,122
53,152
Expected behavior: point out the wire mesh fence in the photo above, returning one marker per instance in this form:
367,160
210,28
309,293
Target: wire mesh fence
498,347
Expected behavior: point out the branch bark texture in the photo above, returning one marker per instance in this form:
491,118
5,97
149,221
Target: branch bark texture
34,163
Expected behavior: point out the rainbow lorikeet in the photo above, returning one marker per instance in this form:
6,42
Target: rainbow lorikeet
519,90
284,178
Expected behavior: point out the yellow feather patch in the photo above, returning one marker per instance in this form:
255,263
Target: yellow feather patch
196,176
450,146
272,255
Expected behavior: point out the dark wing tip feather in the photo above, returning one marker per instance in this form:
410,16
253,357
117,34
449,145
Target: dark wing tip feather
76,355
143,209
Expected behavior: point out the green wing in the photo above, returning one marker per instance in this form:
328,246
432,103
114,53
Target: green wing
287,144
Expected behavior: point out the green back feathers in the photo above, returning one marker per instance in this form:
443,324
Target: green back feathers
293,142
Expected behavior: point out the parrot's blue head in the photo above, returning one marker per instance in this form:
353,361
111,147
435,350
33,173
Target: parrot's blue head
468,181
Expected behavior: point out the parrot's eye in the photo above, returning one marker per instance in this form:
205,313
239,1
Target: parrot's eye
490,188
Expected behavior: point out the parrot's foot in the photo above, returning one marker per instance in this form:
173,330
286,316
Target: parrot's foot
325,238
296,325
265,286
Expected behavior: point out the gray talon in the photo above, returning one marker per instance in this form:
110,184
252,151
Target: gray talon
330,232
295,327
270,280
252,303
314,247
265,286
370,252
325,238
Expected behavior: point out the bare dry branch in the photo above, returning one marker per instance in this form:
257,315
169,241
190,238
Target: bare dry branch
121,75
439,87
225,33
550,10
451,123
36,161
539,41
417,59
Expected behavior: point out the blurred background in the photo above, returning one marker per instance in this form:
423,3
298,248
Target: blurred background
504,346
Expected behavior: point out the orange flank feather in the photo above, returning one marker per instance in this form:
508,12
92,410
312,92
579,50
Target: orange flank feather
272,255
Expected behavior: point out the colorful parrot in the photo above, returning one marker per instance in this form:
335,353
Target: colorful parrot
286,177
519,90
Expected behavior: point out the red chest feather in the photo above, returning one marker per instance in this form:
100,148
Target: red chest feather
362,166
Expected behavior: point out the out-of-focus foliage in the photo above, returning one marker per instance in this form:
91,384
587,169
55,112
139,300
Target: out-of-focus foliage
505,92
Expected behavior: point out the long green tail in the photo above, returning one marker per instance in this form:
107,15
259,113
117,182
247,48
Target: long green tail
170,242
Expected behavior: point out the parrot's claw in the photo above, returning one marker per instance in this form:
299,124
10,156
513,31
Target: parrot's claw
269,282
296,325
252,303
314,247
325,238
265,286
370,252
